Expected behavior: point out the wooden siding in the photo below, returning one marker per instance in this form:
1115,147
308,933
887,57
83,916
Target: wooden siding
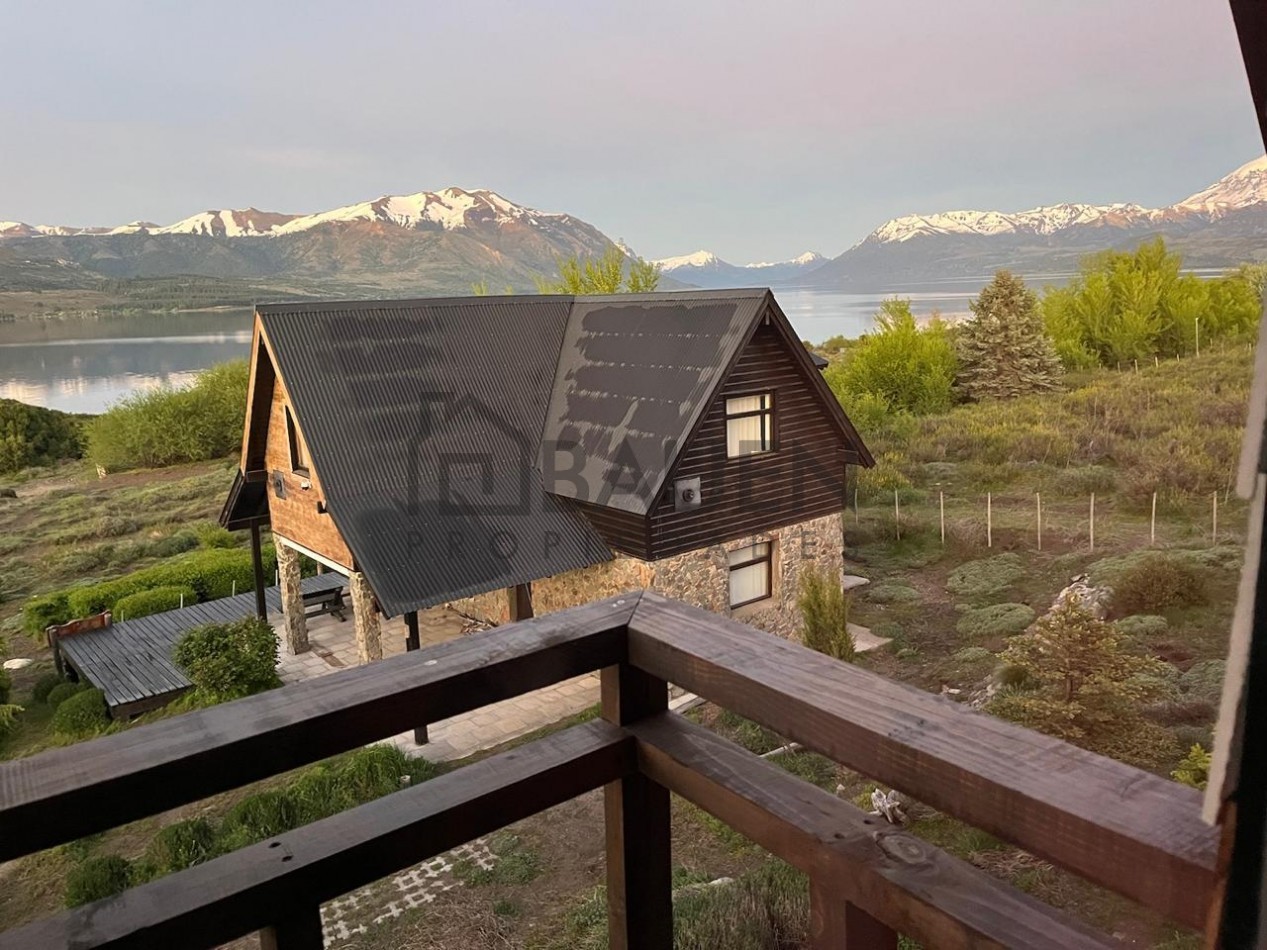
296,516
803,478
623,531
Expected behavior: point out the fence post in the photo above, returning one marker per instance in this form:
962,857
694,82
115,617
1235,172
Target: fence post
941,504
897,517
1152,522
636,813
1093,521
989,521
1196,325
855,507
835,924
1038,503
1214,518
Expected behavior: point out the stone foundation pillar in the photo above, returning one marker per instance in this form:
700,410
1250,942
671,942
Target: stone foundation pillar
369,644
296,625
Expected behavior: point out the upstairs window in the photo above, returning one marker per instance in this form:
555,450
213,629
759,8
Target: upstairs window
749,425
298,460
749,574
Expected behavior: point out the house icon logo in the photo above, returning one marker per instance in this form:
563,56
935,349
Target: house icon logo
466,459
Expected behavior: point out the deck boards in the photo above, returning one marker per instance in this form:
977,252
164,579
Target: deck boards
131,661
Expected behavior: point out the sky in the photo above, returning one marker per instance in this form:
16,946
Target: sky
757,130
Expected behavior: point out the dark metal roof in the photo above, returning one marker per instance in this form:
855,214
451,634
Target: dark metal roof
634,376
423,419
821,362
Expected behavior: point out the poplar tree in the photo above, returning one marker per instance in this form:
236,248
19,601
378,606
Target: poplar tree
1004,350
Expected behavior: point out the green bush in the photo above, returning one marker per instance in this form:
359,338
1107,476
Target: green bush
8,718
6,686
212,535
825,615
892,593
983,578
41,612
63,690
33,435
81,715
1204,680
153,601
45,685
260,816
230,660
98,878
171,426
1156,583
1193,768
997,620
1141,626
182,845
211,573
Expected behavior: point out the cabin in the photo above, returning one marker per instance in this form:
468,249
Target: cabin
511,456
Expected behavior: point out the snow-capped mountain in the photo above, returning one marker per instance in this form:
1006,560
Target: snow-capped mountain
706,269
426,241
1218,226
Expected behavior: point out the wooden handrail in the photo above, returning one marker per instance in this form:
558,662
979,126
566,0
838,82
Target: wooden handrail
288,877
1128,830
64,794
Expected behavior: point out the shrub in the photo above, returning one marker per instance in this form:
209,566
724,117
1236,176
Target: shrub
182,845
98,878
1141,626
153,601
41,612
8,718
1194,768
1204,680
212,535
170,426
63,690
997,620
257,817
892,593
768,907
45,685
825,614
1157,582
33,435
230,660
976,579
6,686
82,714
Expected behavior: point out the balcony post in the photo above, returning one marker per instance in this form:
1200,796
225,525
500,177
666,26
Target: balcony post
369,644
413,641
300,930
636,809
836,924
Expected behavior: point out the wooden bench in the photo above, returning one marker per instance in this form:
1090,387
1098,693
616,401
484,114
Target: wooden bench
318,602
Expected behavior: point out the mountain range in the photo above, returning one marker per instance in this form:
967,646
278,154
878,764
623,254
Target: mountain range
443,241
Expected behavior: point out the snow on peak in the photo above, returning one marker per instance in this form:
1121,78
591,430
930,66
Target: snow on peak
801,260
697,259
1244,187
248,222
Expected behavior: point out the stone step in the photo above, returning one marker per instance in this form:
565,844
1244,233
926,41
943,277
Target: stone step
852,581
864,641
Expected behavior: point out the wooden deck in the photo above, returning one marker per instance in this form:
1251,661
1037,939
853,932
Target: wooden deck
131,661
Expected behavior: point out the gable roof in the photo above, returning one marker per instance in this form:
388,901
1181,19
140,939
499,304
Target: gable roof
433,423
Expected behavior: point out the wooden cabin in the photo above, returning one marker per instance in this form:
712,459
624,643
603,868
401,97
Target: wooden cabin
517,455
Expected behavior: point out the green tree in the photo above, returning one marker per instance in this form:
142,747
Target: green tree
825,614
612,273
32,435
1004,350
901,364
1073,678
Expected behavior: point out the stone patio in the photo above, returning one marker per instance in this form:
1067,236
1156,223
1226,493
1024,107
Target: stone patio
333,648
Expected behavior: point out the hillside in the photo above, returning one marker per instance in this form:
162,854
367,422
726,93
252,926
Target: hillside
1219,226
429,242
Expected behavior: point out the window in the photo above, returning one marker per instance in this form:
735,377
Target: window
298,460
749,425
749,574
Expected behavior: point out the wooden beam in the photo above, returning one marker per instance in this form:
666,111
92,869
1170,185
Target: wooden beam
64,794
903,883
1132,832
413,642
251,889
636,812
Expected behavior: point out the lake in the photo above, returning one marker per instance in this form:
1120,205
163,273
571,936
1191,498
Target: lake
83,364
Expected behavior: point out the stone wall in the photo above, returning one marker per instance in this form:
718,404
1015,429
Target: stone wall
698,577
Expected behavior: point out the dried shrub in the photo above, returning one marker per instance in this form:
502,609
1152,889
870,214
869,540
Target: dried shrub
1158,582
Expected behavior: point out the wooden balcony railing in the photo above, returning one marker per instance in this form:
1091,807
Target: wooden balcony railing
1127,830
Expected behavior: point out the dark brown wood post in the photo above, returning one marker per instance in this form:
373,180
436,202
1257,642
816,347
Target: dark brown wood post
299,930
257,562
520,602
836,924
639,889
413,642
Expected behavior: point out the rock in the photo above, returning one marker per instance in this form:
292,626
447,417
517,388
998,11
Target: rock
8,493
18,663
864,641
1094,600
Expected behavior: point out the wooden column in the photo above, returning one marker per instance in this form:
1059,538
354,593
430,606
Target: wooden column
835,924
636,809
295,623
369,643
520,602
257,564
300,930
413,642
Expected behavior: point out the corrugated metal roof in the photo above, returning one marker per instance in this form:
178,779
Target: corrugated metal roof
423,419
634,375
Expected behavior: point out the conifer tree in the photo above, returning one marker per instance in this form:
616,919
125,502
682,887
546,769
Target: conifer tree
1004,350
